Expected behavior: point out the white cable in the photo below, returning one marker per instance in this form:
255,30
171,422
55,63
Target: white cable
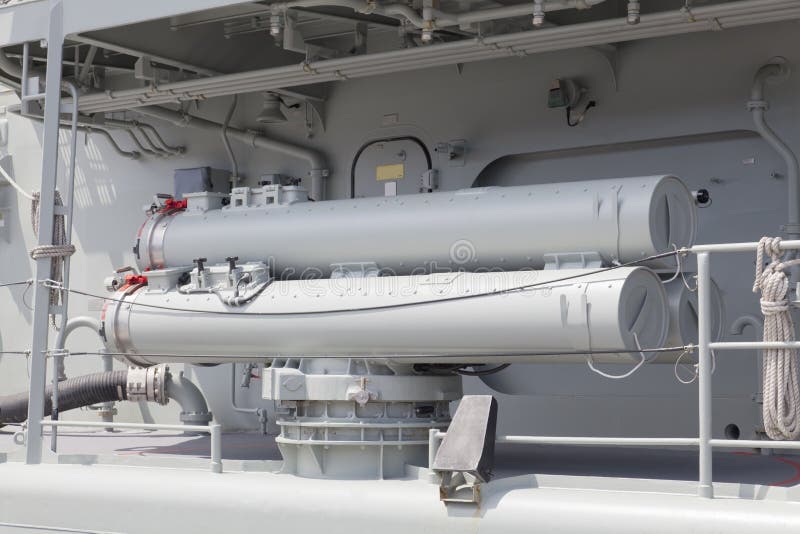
590,363
781,408
679,364
15,185
678,266
695,369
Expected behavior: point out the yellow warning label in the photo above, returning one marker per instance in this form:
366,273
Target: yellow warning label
389,172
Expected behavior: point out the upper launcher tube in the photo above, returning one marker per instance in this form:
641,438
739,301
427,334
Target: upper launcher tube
508,228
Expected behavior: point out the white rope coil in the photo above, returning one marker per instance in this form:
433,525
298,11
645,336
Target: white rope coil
59,250
52,251
781,408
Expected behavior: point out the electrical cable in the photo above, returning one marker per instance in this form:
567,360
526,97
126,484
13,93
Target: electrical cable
485,372
644,360
679,267
57,286
22,283
695,372
582,116
368,144
424,357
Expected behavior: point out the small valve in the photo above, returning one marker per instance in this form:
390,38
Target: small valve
634,12
232,263
199,262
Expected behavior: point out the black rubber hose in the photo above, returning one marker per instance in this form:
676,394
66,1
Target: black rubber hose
72,393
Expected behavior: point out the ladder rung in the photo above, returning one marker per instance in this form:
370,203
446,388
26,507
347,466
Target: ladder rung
29,98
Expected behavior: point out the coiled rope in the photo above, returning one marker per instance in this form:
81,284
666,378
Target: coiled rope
781,407
59,250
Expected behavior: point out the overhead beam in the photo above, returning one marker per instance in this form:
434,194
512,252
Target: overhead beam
28,21
589,34
155,58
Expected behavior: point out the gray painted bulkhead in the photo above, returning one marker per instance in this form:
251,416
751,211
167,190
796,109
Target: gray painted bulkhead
667,88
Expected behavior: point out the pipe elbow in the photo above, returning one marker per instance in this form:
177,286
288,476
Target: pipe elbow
738,326
771,72
194,409
75,323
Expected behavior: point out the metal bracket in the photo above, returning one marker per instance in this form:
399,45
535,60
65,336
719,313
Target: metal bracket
429,181
364,269
454,152
572,260
610,53
465,457
459,488
148,384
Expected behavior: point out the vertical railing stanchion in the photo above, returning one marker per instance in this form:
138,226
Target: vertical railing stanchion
69,198
433,445
215,429
55,356
23,83
705,480
41,295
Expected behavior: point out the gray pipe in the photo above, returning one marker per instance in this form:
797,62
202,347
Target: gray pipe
9,66
194,410
72,325
738,326
758,106
315,160
89,130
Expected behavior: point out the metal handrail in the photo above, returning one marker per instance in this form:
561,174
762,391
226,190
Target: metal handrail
703,442
705,363
214,429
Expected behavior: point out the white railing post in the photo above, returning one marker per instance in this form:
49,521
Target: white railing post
41,295
434,440
705,480
215,429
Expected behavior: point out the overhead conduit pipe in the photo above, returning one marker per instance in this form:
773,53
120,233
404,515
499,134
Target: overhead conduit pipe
441,19
315,160
672,22
9,66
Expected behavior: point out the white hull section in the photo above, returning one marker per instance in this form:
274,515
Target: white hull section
101,498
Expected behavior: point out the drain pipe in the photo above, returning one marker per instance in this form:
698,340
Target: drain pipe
258,412
315,160
777,71
194,410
